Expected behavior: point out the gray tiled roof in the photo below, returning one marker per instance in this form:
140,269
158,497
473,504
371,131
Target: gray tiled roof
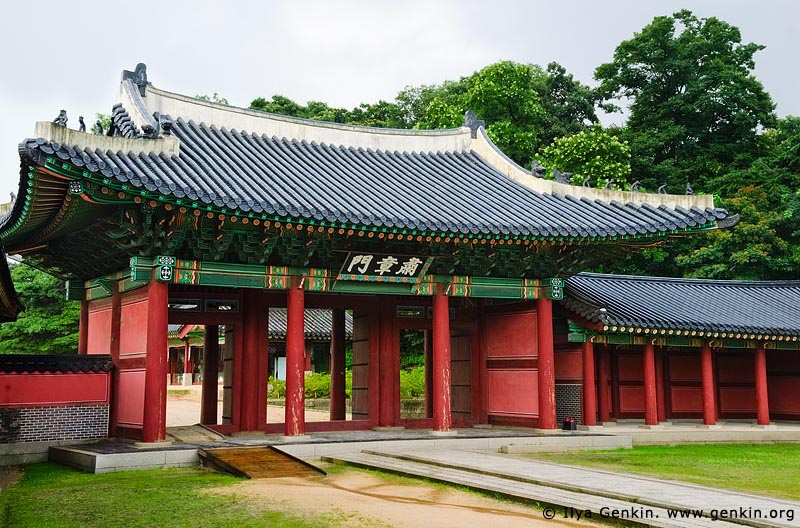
52,363
121,119
434,192
317,323
765,308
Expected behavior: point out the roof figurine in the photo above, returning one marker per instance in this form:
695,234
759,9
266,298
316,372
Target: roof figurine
562,177
81,124
61,118
138,76
537,170
472,122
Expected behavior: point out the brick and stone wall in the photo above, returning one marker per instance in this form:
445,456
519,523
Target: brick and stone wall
51,400
44,424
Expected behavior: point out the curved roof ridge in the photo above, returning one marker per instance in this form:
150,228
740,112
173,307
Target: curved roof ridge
485,148
295,128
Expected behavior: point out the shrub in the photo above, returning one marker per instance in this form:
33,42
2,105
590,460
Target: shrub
276,388
318,385
412,383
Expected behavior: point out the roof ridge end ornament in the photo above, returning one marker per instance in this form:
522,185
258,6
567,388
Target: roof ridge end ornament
537,170
138,76
729,221
473,123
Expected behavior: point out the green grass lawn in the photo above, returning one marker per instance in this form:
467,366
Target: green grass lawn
53,496
765,469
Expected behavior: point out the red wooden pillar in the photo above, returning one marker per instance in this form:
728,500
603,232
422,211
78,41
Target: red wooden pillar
480,371
589,389
338,396
428,350
547,377
389,361
442,416
762,399
116,323
294,422
709,387
83,328
602,386
661,407
154,427
650,403
208,404
253,414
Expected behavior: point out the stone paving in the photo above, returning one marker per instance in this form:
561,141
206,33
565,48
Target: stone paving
470,457
574,490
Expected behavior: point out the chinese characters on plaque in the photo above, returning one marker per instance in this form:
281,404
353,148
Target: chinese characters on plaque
383,267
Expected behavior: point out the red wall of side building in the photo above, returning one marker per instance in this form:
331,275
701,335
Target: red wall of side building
629,383
783,383
53,389
512,367
736,384
123,315
735,379
685,394
569,365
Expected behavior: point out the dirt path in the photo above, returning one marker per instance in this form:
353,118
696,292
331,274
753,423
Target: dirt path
184,409
361,499
9,475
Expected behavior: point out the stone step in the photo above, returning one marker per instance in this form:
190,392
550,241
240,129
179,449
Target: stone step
635,488
568,504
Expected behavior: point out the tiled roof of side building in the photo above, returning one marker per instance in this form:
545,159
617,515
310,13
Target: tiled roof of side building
317,324
20,363
451,181
766,308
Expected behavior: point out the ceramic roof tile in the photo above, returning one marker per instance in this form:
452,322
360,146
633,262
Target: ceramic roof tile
457,192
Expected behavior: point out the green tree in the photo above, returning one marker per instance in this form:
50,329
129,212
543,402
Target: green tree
504,96
49,324
382,114
214,98
320,111
595,154
413,102
569,106
695,106
766,242
755,249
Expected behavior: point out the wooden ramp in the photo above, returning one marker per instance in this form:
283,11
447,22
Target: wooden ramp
257,462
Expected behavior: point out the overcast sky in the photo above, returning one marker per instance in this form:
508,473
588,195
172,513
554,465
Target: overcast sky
69,54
